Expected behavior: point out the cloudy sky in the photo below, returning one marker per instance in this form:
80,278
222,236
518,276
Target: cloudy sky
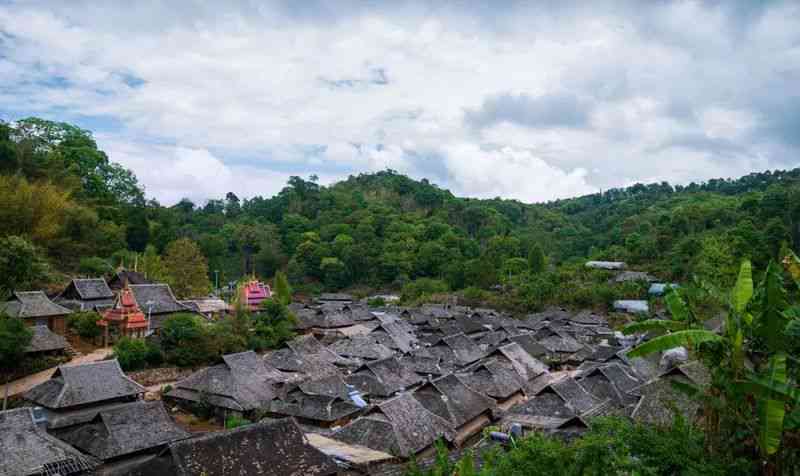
509,99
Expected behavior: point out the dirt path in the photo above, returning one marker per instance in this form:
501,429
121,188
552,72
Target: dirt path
26,383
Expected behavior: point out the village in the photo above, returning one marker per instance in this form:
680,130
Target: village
360,390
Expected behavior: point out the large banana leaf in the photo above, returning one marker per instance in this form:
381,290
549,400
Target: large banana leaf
676,306
792,264
686,338
771,304
653,325
743,290
772,410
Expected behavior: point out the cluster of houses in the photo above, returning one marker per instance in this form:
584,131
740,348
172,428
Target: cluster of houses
358,391
129,305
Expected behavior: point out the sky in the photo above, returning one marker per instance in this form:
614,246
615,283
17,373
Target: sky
526,100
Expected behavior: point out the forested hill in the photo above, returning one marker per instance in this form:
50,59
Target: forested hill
84,214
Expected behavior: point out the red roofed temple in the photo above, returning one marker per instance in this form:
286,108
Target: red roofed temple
255,292
124,319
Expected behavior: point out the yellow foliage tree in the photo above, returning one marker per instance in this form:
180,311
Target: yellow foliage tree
187,269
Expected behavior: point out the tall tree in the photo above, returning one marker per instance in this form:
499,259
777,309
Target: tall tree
536,261
187,270
21,266
281,288
14,339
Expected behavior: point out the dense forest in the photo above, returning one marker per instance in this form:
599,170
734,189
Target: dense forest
70,210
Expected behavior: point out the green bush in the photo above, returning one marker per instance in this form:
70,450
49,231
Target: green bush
93,266
419,288
376,302
612,446
85,324
235,421
187,342
273,325
136,354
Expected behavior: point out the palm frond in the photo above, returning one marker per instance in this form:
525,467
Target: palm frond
743,290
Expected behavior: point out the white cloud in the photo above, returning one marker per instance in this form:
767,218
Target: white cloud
302,89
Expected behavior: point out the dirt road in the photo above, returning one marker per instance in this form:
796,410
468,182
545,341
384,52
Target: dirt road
26,383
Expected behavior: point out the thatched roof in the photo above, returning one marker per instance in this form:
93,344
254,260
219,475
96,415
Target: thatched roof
45,340
400,426
74,385
125,430
26,304
276,448
28,450
450,398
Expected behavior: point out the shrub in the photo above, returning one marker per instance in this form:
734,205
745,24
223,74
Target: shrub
376,302
85,324
94,266
186,341
136,354
419,288
235,421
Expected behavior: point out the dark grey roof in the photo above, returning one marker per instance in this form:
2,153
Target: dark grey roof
27,449
400,426
276,448
561,342
363,347
546,404
465,349
125,430
494,378
130,277
156,299
450,398
424,364
242,382
527,342
602,384
45,340
383,377
660,400
395,336
575,395
33,304
330,385
527,366
633,276
316,408
588,318
73,385
89,289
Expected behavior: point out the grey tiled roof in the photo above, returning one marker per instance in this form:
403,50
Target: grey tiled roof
45,340
157,299
73,385
127,429
383,377
88,289
450,398
28,450
400,426
276,448
33,304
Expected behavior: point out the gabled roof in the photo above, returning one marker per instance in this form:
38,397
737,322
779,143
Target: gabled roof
32,304
394,335
526,365
574,395
465,349
610,382
88,289
242,382
28,450
156,299
125,430
45,340
494,378
424,364
450,398
400,426
276,448
362,347
73,385
383,378
531,346
129,277
319,408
